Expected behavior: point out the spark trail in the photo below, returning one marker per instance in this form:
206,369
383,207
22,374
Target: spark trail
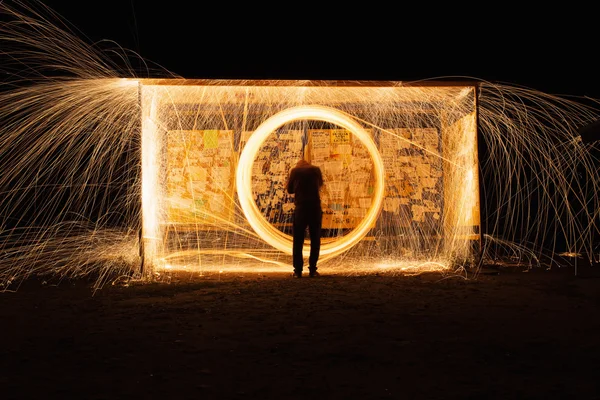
71,183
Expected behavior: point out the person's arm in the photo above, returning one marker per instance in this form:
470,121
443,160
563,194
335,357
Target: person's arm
290,183
320,177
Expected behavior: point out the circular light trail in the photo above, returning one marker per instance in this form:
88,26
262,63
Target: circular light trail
259,223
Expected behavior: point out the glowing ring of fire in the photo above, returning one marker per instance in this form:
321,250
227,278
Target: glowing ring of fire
264,228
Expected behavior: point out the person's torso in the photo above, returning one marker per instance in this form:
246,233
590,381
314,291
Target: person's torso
307,183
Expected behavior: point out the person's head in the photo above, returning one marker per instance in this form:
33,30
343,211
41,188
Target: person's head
302,162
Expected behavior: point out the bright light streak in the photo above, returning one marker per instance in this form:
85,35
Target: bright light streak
151,153
266,229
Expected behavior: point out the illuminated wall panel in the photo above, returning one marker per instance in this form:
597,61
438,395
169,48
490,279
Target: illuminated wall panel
399,163
200,169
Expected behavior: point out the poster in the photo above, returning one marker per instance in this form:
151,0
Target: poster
348,175
413,168
200,177
276,156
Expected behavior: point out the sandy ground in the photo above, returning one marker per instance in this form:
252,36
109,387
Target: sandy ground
498,335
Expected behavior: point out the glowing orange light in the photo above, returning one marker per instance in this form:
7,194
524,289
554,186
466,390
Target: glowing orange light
266,230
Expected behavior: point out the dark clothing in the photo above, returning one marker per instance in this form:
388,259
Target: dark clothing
304,183
307,217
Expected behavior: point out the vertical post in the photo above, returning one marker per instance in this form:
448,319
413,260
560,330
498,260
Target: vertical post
141,230
479,146
151,159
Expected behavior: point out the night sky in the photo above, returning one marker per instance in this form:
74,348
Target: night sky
552,50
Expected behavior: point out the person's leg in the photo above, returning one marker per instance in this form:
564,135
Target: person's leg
299,229
314,228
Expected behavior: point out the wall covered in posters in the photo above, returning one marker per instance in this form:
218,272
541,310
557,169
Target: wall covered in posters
423,200
347,172
414,173
201,166
278,154
200,170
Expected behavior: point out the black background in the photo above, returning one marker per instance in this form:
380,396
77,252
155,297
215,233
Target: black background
553,50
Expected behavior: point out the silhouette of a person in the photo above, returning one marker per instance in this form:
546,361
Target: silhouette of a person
305,182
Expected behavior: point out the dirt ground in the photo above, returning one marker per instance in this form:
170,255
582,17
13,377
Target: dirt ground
503,334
